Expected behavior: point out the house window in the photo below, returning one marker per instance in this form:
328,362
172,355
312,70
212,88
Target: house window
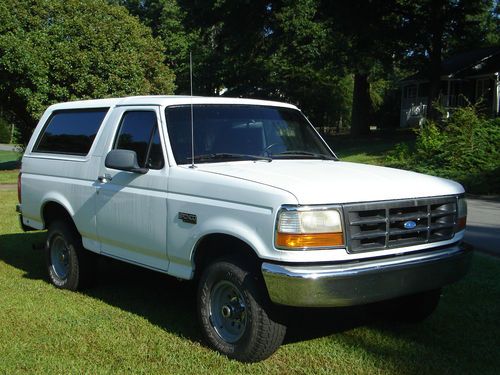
410,92
456,94
483,88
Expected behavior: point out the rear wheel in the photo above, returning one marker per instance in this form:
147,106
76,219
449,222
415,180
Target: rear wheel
66,259
233,313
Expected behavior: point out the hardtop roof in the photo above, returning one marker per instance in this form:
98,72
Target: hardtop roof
163,100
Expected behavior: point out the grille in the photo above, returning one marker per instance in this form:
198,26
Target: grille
381,225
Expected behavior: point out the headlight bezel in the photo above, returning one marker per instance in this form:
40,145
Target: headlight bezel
308,236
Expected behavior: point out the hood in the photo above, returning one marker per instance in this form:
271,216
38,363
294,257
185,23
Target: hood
329,182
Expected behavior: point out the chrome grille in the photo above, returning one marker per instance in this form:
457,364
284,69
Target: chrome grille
381,225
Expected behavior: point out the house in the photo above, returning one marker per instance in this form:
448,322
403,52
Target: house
471,76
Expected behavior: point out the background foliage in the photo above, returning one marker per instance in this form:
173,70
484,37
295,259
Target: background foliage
340,62
52,51
464,147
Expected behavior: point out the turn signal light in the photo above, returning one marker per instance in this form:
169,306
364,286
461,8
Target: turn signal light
287,240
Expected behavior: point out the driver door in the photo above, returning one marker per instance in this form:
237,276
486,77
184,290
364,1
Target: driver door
131,208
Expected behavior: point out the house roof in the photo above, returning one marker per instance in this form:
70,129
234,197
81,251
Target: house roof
468,63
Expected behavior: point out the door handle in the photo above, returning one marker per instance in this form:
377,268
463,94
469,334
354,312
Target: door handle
104,178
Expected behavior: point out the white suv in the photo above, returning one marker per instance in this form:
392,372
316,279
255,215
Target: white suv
244,197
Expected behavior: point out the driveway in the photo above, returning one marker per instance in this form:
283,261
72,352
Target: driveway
483,224
4,147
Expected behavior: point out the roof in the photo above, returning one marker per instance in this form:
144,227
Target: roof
468,63
165,100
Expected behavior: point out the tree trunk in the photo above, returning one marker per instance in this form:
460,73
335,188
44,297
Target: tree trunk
361,105
435,57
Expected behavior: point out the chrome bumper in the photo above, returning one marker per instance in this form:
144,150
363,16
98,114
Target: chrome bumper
358,283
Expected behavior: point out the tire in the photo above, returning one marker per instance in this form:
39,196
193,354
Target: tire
66,260
415,308
232,313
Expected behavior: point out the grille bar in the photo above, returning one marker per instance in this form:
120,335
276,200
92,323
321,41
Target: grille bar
391,224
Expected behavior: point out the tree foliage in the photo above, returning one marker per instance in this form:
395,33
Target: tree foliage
168,22
52,51
339,61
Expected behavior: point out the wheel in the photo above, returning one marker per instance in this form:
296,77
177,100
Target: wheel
66,259
232,313
416,307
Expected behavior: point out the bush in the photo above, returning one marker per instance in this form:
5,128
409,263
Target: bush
464,147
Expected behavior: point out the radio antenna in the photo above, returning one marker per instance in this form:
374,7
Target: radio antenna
192,119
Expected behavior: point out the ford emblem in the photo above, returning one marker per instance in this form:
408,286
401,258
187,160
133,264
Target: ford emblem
409,224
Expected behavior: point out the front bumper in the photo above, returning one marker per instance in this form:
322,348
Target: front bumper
347,284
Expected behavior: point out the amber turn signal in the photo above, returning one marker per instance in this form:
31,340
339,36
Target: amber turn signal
461,223
305,240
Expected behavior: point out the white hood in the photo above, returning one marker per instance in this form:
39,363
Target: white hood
328,182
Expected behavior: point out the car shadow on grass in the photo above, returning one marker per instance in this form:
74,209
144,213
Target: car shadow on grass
10,165
165,301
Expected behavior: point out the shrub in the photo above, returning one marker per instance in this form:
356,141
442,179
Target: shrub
463,147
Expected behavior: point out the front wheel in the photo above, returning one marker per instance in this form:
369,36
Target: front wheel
232,313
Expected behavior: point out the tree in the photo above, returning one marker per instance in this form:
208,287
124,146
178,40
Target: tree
306,66
439,28
167,20
52,51
368,33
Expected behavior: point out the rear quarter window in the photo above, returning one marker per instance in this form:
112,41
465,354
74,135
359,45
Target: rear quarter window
70,132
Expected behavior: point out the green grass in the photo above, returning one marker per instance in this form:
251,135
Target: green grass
9,177
137,321
9,167
368,149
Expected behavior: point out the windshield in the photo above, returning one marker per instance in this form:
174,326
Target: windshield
242,132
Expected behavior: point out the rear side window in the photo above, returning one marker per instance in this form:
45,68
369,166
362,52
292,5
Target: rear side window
70,132
139,132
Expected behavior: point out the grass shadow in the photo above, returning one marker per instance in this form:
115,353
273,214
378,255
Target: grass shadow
312,323
10,165
162,300
165,301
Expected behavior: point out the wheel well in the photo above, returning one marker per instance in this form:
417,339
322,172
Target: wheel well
215,246
53,211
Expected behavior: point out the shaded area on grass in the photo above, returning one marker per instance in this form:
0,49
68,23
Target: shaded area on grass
166,301
161,299
10,162
135,320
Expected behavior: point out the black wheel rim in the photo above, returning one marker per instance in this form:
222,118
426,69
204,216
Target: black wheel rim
228,315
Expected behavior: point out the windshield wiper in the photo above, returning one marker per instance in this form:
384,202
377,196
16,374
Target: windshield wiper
298,154
221,156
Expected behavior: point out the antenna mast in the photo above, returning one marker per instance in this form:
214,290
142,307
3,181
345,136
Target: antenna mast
192,120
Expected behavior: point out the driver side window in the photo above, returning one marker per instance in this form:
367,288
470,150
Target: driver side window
138,132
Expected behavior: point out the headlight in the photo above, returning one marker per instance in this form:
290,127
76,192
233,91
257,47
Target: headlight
461,213
308,228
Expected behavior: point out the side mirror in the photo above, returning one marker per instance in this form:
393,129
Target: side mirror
124,160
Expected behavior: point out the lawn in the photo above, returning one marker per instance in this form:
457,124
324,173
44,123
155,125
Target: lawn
137,321
9,167
370,149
